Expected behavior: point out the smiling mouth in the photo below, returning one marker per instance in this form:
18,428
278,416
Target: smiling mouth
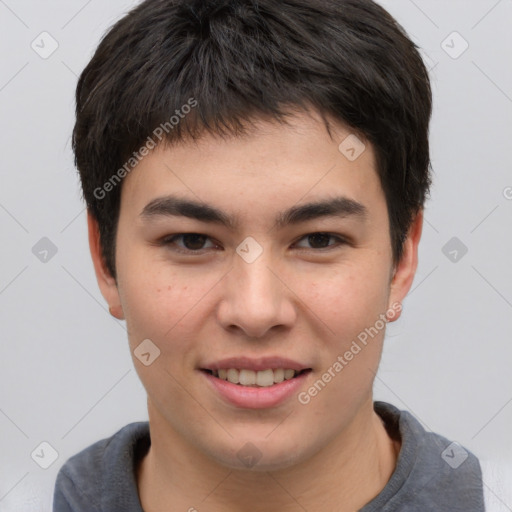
263,378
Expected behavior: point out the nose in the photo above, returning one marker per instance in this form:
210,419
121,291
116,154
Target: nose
256,299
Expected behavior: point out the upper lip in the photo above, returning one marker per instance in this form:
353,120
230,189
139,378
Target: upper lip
255,364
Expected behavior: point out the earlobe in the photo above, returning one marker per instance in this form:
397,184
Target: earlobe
405,269
116,311
394,311
106,281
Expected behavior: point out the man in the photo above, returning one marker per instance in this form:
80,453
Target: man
255,174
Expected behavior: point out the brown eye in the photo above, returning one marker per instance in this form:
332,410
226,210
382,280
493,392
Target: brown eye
189,242
320,241
193,241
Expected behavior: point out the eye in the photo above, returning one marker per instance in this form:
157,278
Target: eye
189,242
320,241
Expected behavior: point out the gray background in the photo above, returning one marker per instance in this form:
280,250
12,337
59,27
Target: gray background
66,376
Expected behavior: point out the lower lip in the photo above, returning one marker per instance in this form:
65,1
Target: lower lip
257,397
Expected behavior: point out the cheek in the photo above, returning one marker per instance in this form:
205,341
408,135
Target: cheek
166,307
350,343
349,304
347,299
160,301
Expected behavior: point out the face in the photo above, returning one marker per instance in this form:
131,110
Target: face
264,252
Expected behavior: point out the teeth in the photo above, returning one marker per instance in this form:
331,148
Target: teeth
247,377
278,375
263,378
288,374
232,376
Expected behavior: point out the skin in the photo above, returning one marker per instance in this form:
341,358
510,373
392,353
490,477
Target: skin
296,300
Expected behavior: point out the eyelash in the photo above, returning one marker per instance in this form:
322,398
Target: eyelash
170,240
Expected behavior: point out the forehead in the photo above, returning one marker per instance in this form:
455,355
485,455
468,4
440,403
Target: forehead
272,164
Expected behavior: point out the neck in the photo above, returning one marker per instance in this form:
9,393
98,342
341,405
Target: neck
345,475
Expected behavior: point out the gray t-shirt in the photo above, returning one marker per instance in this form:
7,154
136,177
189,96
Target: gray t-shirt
432,474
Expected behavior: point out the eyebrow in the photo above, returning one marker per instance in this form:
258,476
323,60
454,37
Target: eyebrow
172,206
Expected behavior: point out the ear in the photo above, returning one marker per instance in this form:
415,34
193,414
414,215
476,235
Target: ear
106,281
405,269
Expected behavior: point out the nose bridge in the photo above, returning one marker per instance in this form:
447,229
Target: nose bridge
255,299
255,285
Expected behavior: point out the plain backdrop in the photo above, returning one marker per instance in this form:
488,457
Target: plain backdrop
66,375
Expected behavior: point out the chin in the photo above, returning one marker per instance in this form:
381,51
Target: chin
259,454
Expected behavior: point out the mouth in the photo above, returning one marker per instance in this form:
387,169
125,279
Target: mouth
259,388
256,382
256,379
